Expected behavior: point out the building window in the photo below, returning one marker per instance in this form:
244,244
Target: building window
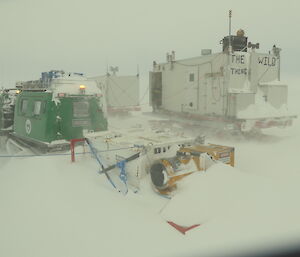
191,77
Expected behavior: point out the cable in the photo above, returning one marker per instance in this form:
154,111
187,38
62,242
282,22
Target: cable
60,154
113,94
124,91
147,90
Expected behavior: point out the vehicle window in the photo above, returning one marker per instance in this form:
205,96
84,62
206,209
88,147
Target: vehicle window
24,104
37,107
80,109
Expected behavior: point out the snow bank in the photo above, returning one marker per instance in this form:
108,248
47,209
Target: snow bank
52,207
70,210
221,190
262,109
225,195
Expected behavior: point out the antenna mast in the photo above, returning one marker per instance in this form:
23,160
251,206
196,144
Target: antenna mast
230,47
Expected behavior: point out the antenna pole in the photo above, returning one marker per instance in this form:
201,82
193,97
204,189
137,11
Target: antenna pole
230,47
106,66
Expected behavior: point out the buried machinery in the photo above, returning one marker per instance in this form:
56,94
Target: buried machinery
165,156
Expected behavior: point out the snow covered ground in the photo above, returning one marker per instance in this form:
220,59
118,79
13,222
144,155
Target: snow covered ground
52,207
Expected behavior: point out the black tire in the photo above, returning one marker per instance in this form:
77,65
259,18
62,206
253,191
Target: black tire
158,173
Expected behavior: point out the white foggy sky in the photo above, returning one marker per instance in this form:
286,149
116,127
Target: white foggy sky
82,36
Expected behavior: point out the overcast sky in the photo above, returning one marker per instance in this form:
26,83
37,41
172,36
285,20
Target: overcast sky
85,36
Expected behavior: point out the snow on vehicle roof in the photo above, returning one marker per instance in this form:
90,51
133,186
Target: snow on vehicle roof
72,86
62,82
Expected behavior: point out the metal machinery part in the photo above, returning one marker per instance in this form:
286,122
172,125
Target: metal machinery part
166,172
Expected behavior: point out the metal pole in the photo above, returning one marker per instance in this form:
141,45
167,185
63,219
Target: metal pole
227,82
229,47
198,84
279,67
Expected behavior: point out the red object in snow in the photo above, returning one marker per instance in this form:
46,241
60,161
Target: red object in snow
182,229
72,147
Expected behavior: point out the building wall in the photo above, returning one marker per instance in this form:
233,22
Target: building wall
204,85
276,95
194,85
238,70
120,91
264,68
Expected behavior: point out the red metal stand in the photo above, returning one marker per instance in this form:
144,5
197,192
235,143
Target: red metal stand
72,147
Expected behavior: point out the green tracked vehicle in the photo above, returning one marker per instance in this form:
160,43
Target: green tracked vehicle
7,97
46,114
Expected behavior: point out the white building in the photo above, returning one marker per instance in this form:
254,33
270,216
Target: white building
237,85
